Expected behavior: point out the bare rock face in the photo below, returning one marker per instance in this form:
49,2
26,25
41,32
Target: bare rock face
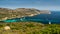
19,12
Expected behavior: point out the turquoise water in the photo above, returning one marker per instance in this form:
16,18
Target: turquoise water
54,18
9,20
15,20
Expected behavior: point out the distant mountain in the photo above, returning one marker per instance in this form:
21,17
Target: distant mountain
6,13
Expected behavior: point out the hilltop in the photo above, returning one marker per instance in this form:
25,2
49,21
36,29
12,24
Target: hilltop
6,13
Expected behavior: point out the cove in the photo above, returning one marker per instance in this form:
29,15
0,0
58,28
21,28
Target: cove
54,18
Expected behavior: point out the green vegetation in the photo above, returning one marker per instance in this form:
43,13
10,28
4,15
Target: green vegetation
29,28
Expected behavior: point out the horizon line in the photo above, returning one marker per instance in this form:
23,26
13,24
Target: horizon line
28,8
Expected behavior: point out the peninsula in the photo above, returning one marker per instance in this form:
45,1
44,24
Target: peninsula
6,13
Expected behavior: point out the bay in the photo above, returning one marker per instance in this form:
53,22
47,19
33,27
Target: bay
54,18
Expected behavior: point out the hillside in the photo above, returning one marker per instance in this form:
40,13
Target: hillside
6,13
29,28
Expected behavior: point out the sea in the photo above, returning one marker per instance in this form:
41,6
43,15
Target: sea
53,18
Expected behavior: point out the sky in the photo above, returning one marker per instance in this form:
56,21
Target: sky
38,4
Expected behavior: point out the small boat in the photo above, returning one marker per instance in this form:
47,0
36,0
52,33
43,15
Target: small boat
49,22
